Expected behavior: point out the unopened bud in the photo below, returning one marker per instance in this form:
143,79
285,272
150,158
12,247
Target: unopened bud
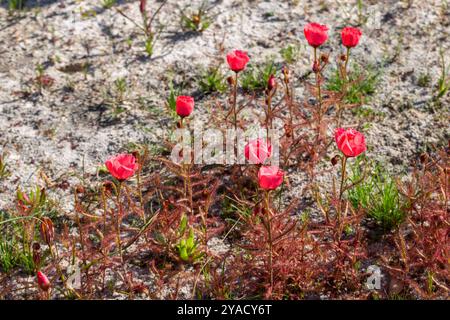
335,160
47,230
196,19
343,57
272,82
423,157
108,186
231,81
43,281
79,189
316,67
324,58
142,5
285,71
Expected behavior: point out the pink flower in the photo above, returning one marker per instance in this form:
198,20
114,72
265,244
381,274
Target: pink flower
257,151
184,106
270,177
122,166
43,281
350,142
350,36
237,60
316,34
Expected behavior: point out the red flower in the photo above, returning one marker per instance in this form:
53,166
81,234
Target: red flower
237,60
350,36
316,34
350,142
43,281
257,151
270,177
185,106
122,166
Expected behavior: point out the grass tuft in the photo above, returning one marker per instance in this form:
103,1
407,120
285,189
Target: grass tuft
377,195
363,84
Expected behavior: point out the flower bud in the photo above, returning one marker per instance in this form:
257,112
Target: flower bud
79,189
272,82
43,281
142,6
285,71
316,67
335,160
343,57
108,186
423,157
47,230
196,19
324,58
231,81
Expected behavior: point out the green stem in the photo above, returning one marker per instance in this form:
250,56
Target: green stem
316,62
235,102
346,63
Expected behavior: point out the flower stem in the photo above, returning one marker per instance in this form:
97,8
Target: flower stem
343,176
341,190
269,115
346,63
235,102
119,213
187,178
269,235
317,72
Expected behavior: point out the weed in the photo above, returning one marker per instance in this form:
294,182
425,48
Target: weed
147,25
444,81
255,78
198,21
16,4
424,80
107,4
4,172
367,113
211,81
171,100
290,53
187,246
363,84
